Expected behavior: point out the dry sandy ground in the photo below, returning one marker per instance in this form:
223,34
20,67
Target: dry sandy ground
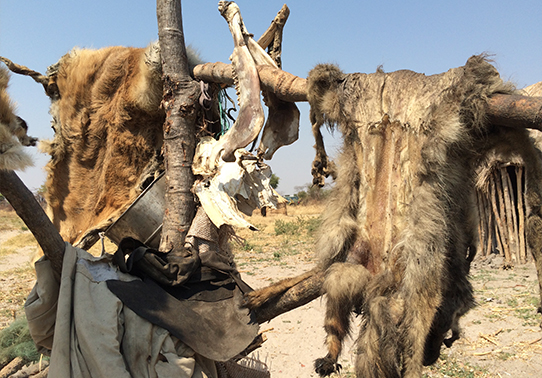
501,337
496,341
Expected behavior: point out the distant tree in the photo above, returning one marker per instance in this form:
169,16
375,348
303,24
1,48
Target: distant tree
312,193
274,181
302,195
42,190
40,195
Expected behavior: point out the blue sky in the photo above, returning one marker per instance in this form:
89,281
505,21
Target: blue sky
424,36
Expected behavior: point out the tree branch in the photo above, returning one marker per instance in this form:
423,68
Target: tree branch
34,217
180,103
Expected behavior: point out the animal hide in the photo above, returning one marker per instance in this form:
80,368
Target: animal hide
108,134
397,232
12,132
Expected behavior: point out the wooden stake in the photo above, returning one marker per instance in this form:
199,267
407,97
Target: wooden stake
482,224
505,238
490,223
521,214
498,222
510,227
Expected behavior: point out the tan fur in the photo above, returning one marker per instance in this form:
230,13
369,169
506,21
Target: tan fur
401,214
108,135
12,131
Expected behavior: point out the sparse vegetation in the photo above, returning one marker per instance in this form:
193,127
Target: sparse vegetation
450,367
15,341
10,221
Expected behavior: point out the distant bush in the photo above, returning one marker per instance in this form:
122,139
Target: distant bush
300,224
313,194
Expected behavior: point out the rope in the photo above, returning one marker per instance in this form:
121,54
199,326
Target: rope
224,112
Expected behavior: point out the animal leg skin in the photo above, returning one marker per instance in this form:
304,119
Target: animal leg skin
251,117
341,278
321,167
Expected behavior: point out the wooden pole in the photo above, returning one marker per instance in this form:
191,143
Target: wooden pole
521,214
32,214
180,102
505,238
515,111
510,226
515,215
482,224
490,223
498,222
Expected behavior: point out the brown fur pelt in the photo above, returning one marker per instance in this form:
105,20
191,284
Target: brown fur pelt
13,131
399,230
108,134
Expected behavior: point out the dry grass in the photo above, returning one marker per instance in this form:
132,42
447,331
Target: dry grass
22,240
15,285
10,221
279,237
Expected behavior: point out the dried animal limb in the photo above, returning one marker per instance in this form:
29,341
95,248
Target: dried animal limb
321,166
269,36
251,117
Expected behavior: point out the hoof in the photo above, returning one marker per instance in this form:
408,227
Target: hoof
325,366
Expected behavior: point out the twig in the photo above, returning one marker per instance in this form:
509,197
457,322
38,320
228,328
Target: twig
488,339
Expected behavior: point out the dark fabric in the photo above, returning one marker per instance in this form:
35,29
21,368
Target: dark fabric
219,330
167,269
197,298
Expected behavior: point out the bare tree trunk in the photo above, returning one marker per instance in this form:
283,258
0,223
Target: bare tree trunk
181,105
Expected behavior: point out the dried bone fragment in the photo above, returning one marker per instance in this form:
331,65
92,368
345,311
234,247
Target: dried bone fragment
251,117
